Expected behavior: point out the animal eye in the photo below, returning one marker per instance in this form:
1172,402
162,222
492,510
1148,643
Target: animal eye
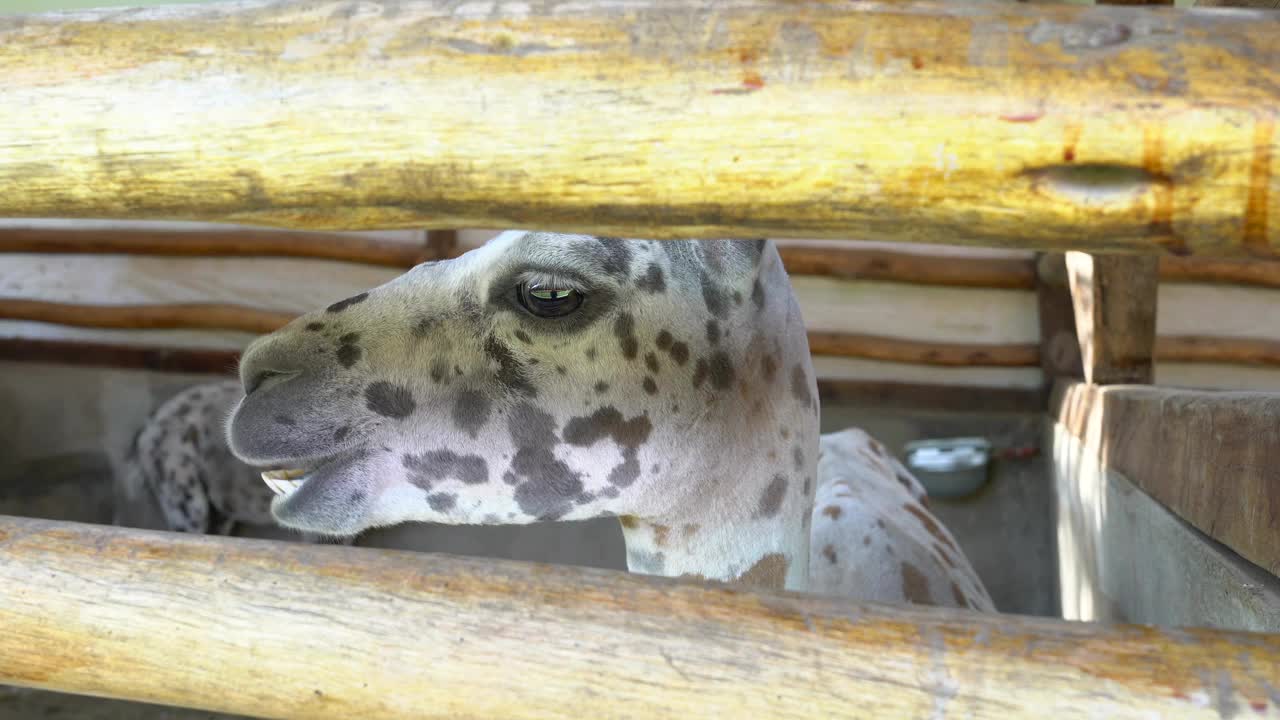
549,301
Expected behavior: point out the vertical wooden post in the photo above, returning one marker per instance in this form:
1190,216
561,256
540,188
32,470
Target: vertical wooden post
1115,311
440,244
1059,346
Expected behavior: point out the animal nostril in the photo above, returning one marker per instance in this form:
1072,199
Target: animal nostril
257,379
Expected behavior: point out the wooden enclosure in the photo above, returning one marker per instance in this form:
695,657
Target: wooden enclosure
1024,127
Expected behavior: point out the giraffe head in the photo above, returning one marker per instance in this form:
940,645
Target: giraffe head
539,377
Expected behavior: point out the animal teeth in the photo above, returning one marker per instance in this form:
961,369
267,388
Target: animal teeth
282,485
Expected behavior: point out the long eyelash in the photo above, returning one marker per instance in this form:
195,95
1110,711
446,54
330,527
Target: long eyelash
551,281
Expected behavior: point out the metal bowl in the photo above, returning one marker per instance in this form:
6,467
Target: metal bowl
950,467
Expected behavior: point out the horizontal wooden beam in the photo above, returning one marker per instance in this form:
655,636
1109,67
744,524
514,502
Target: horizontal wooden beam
1220,271
237,242
190,316
827,259
1230,351
1210,457
891,395
1039,126
84,353
240,318
287,630
836,260
922,352
864,393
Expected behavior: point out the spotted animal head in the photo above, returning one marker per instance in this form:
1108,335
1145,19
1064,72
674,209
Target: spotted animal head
538,377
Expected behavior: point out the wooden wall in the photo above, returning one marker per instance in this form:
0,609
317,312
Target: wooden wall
877,308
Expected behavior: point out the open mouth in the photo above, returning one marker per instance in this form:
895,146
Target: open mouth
284,482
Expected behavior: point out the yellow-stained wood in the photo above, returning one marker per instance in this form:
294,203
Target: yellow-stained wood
1099,128
285,630
1210,457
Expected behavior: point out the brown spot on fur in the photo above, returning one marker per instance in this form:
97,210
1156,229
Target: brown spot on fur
876,447
959,596
915,586
929,525
832,511
829,553
660,533
689,531
769,571
866,540
629,522
771,499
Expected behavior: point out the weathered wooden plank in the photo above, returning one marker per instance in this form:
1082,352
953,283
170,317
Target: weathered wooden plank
283,630
1202,349
929,396
1124,557
228,316
826,259
1115,299
116,355
1210,457
204,316
893,349
991,124
833,259
1225,271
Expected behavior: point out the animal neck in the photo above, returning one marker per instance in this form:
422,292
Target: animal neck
766,546
739,508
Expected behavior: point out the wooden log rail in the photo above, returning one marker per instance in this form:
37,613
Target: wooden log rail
216,316
286,630
1044,127
826,259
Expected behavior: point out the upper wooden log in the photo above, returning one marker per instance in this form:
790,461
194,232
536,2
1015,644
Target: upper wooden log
1098,128
285,630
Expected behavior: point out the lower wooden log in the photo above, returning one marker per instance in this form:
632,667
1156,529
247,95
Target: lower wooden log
284,630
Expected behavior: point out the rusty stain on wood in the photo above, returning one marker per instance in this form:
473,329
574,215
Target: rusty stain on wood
335,632
391,120
1258,206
